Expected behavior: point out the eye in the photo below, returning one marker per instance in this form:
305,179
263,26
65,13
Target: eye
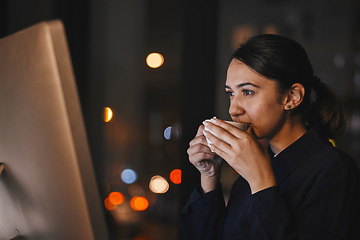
247,92
230,94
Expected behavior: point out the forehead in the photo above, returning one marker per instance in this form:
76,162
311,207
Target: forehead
240,76
239,73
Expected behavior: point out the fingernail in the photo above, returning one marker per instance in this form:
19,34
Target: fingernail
213,119
205,123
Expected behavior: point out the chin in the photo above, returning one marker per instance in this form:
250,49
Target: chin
252,131
258,135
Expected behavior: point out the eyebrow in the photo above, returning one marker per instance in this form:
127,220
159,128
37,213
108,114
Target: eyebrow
243,84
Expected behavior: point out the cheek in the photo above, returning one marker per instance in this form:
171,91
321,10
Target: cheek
264,117
259,112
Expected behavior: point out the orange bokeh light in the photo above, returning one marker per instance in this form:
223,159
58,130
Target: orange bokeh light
108,205
139,203
175,176
116,198
108,114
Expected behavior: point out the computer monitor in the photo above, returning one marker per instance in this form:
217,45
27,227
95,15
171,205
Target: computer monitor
47,188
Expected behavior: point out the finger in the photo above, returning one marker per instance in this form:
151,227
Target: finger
198,140
200,131
198,157
219,152
221,133
233,130
200,149
217,142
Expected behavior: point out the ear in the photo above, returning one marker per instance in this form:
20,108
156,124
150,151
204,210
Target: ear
295,96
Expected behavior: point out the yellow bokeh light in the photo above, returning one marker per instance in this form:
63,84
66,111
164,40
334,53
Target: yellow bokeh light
108,114
154,60
332,142
158,184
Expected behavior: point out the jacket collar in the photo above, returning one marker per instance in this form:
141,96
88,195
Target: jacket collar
291,157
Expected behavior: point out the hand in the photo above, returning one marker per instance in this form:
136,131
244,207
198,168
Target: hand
206,161
243,153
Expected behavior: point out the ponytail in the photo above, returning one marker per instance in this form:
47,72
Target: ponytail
326,110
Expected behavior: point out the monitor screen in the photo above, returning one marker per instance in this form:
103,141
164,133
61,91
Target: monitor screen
47,187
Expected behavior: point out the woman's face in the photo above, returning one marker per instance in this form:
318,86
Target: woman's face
254,100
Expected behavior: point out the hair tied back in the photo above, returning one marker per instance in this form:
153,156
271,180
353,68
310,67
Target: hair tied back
316,83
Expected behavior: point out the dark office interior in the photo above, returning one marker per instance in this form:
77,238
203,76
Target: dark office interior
156,111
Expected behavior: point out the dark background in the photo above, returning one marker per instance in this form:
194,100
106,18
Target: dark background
109,41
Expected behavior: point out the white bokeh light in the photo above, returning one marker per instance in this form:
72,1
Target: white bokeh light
158,184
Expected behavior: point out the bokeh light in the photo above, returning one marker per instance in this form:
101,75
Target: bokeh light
154,60
116,198
128,176
158,184
175,176
332,142
108,205
172,132
167,133
108,114
139,203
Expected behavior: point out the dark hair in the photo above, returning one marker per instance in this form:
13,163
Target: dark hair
286,62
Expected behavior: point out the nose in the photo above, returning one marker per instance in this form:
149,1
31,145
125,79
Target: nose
235,109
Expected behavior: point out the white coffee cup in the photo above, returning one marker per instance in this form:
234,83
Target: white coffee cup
241,126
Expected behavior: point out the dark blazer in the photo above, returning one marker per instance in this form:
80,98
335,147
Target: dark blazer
317,197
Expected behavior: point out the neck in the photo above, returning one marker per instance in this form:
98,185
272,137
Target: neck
291,131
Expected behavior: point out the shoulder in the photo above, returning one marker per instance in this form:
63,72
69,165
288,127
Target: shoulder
333,164
328,155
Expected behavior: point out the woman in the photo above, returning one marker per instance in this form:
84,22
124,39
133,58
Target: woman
301,187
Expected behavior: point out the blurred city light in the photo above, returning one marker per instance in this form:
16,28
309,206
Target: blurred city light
116,198
108,205
167,133
175,176
158,184
154,60
128,176
172,132
108,114
139,203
